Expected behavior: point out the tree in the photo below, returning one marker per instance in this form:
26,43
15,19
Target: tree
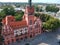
52,9
43,17
9,10
37,14
2,15
37,8
41,10
49,23
18,16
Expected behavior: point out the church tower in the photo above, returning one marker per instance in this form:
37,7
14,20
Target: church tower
29,16
29,13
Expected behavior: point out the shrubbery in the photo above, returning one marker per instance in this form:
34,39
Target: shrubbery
49,23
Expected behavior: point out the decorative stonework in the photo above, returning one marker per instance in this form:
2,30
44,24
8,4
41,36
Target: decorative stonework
14,30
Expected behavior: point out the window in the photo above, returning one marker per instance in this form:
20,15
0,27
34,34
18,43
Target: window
30,22
30,28
36,26
25,29
25,32
16,31
25,37
8,42
16,35
17,39
30,13
6,34
12,40
30,36
21,34
21,31
21,38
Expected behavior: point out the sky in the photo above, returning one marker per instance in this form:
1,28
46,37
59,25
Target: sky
38,1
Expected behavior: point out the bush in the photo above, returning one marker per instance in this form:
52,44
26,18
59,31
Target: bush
49,23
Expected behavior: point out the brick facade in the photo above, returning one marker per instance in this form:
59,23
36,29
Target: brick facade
29,27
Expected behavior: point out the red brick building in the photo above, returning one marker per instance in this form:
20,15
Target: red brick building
17,30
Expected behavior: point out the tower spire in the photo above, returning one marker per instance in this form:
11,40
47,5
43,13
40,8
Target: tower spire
30,3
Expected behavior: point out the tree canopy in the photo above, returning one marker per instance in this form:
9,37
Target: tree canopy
38,9
9,10
18,16
49,23
52,9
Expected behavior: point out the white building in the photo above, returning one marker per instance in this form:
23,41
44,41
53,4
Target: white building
19,9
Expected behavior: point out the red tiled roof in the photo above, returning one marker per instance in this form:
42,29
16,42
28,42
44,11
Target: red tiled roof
18,24
9,18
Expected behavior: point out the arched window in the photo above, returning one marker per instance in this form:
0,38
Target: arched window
30,22
36,26
8,42
12,40
30,36
25,37
21,38
17,39
30,28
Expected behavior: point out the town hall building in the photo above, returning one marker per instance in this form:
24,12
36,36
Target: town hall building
29,27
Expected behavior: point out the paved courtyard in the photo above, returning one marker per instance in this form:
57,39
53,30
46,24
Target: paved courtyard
46,38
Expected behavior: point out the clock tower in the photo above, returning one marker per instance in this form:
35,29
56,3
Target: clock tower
29,17
29,13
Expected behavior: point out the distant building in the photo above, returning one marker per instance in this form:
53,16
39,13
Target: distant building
58,6
1,10
58,15
29,27
13,6
19,9
43,7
